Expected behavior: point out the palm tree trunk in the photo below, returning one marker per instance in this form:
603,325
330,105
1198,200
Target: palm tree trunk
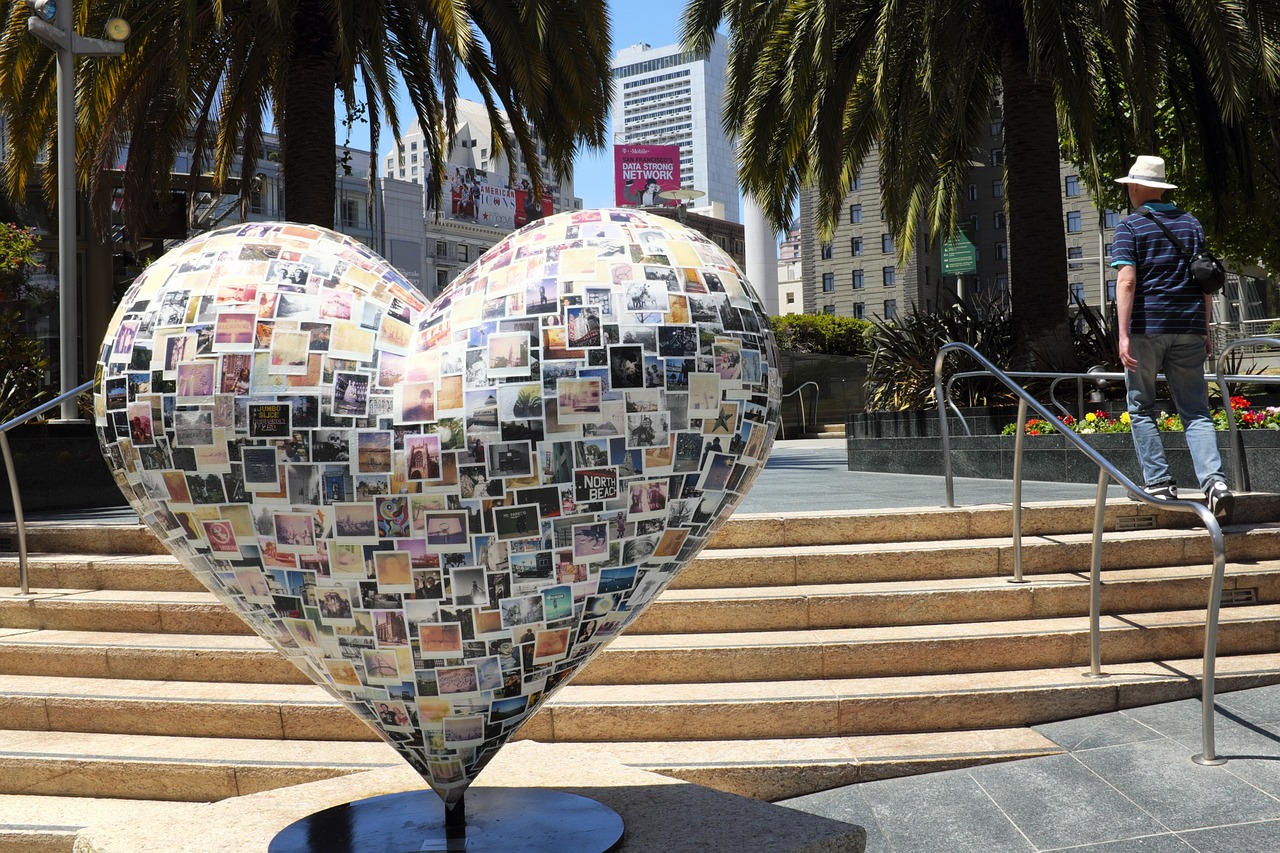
1033,198
308,135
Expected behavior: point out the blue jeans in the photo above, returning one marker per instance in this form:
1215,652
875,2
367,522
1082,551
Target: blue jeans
1181,359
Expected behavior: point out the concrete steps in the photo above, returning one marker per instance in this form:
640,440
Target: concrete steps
799,652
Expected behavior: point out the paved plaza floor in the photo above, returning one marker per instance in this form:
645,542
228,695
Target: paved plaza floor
812,474
1125,783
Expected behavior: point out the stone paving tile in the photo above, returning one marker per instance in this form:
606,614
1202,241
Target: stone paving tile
1056,802
1160,777
1260,837
1096,732
946,811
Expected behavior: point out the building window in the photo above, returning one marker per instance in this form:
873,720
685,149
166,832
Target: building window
890,309
350,213
890,276
886,243
998,219
828,309
828,282
1111,290
859,310
996,126
1112,218
973,192
997,156
1077,291
1073,186
1073,222
464,253
859,279
1002,251
855,214
442,249
826,251
857,182
442,280
1075,252
1002,282
855,246
1106,250
791,299
997,189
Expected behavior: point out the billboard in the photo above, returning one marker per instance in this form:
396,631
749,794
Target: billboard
486,198
640,172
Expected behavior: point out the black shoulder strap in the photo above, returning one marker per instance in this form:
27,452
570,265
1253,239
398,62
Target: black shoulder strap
1182,250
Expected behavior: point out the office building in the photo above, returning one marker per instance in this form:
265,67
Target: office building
669,96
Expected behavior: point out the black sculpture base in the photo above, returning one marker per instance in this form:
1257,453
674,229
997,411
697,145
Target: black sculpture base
497,820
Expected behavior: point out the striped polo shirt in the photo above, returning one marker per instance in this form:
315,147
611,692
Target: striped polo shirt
1167,301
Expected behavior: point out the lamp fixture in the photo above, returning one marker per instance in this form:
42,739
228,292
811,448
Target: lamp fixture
45,10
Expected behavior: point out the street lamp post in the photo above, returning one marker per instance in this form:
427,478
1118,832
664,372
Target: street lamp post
51,23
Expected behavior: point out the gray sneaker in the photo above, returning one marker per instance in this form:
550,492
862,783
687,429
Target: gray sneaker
1221,501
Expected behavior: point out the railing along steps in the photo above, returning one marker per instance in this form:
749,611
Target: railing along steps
800,652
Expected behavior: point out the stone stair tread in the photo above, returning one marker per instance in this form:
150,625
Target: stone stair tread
111,596
33,822
817,637
1028,541
925,586
829,750
162,749
575,695
70,687
130,640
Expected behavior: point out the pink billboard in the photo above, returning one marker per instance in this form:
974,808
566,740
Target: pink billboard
641,172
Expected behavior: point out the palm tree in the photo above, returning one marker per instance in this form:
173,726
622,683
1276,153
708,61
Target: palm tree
814,86
210,75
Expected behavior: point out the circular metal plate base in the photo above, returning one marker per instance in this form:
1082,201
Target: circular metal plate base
510,820
1095,675
1199,758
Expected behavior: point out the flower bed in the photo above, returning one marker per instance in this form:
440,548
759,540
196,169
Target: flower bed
1100,421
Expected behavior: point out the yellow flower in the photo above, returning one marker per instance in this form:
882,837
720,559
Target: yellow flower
1124,417
1090,417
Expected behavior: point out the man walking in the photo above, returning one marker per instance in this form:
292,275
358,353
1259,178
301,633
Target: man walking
1164,327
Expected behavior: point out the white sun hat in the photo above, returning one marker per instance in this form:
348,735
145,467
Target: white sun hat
1148,171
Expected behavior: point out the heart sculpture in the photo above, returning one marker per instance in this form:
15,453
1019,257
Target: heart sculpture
440,510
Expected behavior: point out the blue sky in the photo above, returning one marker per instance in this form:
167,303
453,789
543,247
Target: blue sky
654,21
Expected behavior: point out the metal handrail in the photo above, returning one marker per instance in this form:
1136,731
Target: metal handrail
804,421
23,582
1233,442
1106,471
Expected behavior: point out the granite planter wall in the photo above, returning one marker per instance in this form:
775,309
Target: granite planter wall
59,466
841,382
1052,458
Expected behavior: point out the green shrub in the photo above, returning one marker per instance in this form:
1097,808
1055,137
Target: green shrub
901,372
825,334
22,359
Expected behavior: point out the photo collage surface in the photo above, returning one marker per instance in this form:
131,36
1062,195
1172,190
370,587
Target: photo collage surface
440,510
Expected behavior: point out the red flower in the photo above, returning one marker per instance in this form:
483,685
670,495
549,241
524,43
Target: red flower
1239,403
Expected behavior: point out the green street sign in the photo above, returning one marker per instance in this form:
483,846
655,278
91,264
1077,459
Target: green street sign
959,255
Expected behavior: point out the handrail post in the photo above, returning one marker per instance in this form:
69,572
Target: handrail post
1209,756
1095,579
1018,443
24,584
944,432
